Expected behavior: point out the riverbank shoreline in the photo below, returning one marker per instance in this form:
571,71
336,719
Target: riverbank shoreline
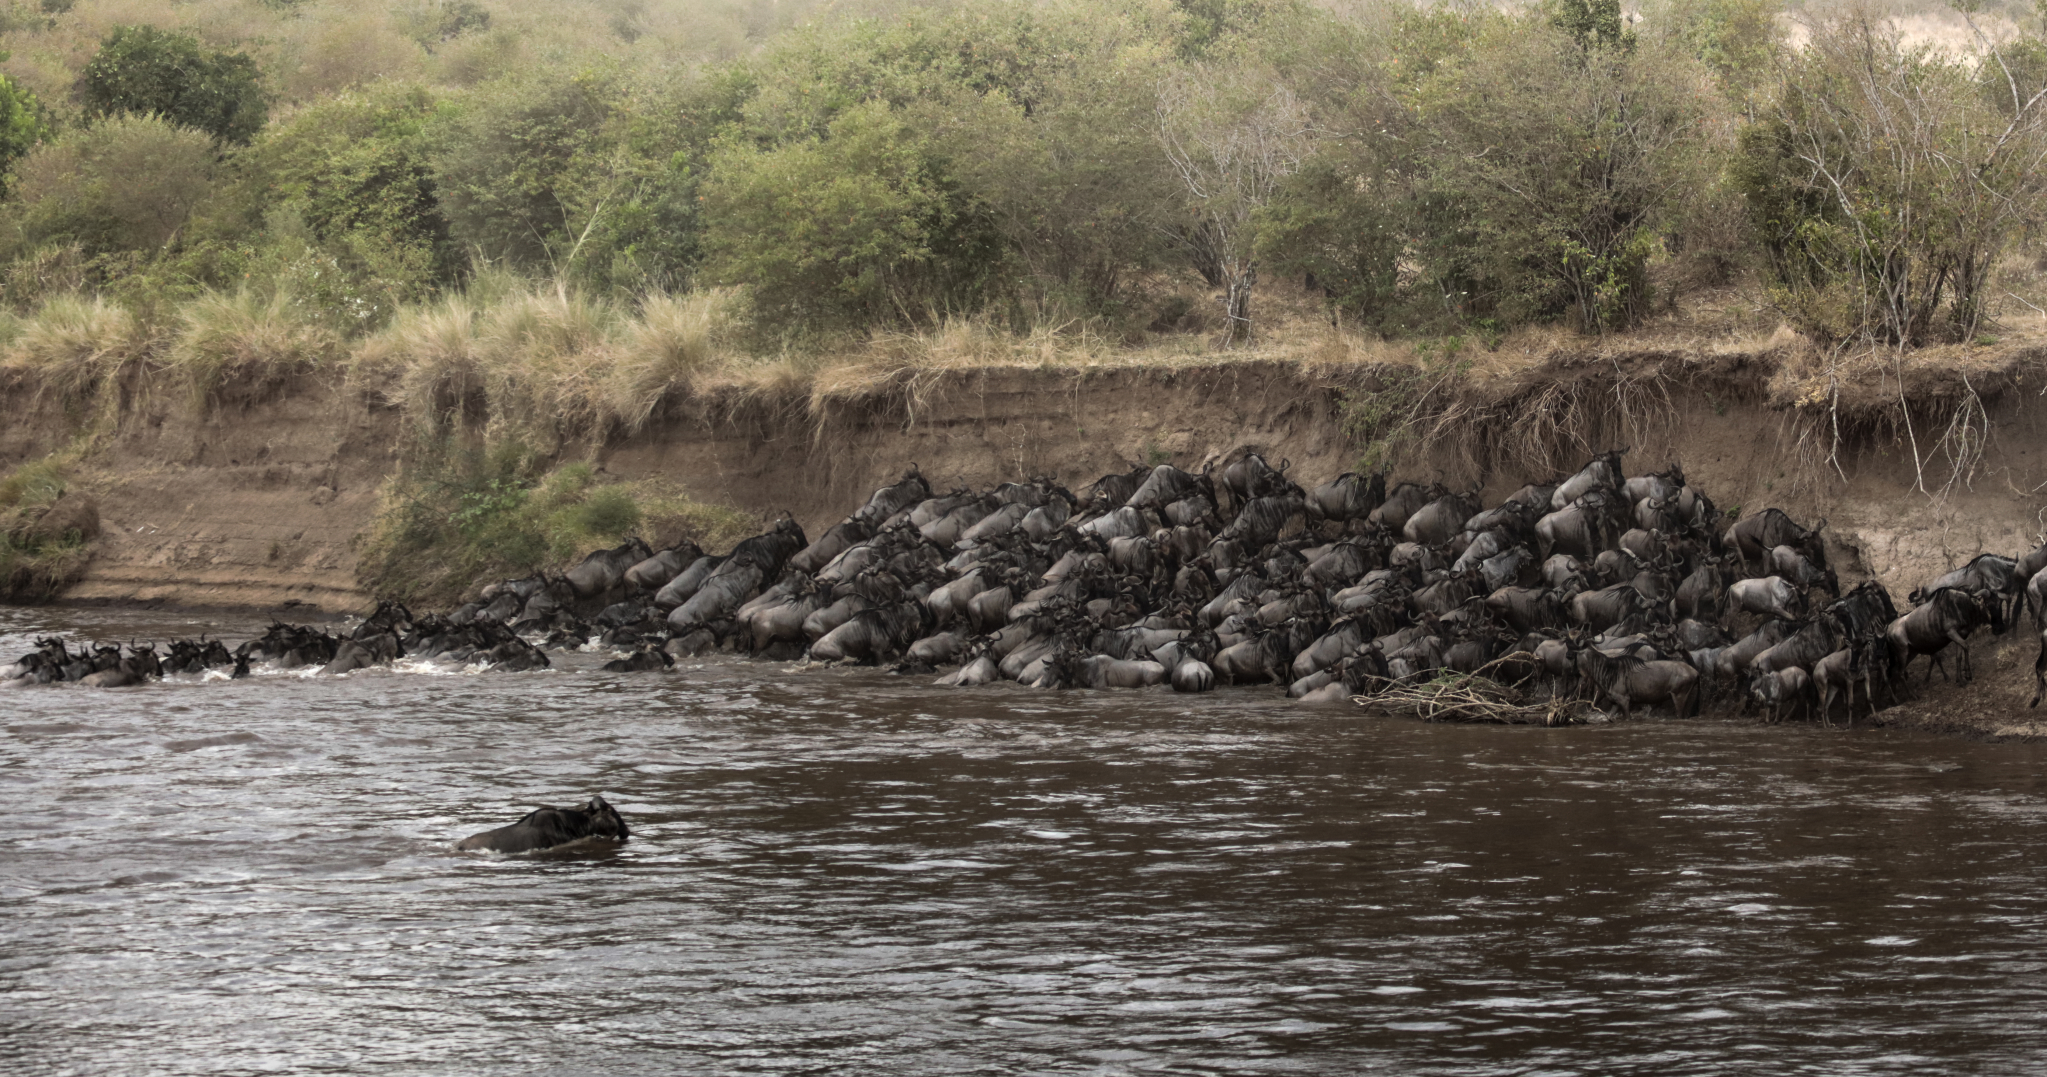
265,501
262,503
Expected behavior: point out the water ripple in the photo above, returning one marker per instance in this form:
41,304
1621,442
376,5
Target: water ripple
845,872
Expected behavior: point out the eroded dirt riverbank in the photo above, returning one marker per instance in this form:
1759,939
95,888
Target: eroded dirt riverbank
259,503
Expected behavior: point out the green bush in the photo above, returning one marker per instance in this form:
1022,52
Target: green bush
1889,178
505,162
146,71
35,568
1553,208
23,124
129,183
344,190
851,229
459,518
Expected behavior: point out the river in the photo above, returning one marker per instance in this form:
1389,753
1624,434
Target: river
847,872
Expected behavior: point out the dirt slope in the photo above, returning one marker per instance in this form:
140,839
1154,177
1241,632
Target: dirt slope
256,504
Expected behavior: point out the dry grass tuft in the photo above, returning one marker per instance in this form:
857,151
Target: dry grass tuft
428,355
675,341
1472,699
74,344
235,344
545,356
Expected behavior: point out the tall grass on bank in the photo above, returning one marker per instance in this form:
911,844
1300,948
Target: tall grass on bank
35,564
237,344
74,344
546,365
458,518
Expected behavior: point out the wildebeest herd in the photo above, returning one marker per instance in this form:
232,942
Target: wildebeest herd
1630,591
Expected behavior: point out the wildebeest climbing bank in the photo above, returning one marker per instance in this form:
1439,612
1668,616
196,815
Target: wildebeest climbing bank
1596,595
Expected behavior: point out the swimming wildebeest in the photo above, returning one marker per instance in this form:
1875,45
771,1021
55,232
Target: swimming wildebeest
548,828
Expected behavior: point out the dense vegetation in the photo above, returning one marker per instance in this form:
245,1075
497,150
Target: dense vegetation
827,170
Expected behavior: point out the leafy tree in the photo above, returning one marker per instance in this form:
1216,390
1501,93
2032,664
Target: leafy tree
129,183
351,178
1736,38
1034,131
858,227
1591,23
1231,143
1556,203
1331,224
1887,183
143,70
23,124
507,156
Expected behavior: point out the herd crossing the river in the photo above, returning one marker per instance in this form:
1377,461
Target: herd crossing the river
1632,592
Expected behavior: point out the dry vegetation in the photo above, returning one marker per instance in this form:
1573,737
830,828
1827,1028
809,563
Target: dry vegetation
536,226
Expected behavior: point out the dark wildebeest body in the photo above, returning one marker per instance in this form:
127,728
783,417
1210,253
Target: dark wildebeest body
1349,496
1989,577
1606,607
1116,489
1803,649
1701,594
1603,470
1756,536
685,585
1582,529
654,573
1404,501
1835,674
1629,681
1512,517
1661,486
356,654
1438,521
1263,519
836,540
874,635
1949,616
1343,565
1788,563
735,581
1525,609
547,828
1779,689
1165,485
140,665
647,658
1250,478
1770,596
602,570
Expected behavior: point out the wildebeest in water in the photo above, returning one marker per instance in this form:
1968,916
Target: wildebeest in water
549,828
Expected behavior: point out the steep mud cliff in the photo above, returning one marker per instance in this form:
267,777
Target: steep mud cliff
258,502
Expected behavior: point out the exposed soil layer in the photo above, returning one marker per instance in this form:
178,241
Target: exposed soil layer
257,503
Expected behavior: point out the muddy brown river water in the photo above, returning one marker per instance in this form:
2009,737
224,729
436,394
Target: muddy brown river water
846,872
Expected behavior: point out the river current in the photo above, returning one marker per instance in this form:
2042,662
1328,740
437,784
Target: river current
848,872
